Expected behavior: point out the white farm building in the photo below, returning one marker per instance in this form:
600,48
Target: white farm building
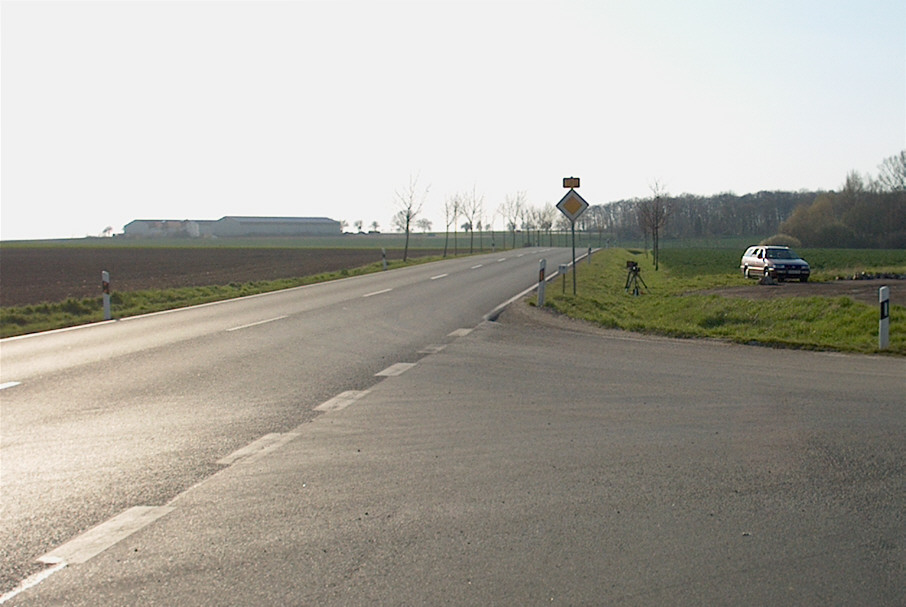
233,226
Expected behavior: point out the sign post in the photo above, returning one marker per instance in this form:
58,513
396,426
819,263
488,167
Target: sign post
572,205
884,323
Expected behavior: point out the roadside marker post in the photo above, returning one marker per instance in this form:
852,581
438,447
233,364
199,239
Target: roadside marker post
884,323
384,257
541,282
105,289
562,270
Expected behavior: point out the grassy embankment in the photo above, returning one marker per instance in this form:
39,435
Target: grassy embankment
672,307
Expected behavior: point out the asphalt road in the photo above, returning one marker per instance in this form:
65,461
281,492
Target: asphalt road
532,461
100,419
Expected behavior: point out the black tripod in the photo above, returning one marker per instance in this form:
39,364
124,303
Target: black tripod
633,278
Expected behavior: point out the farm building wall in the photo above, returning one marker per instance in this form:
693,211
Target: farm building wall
232,226
276,226
164,228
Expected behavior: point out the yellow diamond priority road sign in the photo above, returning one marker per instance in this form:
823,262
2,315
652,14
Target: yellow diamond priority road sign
572,205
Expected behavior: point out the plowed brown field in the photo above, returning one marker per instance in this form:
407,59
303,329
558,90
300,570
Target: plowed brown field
35,275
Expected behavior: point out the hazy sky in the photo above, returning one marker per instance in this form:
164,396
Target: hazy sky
121,110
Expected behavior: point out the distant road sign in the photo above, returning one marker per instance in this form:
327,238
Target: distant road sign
572,205
570,182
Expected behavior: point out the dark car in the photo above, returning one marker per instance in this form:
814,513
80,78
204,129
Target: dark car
780,263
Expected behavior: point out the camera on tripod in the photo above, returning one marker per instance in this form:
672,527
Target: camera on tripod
634,277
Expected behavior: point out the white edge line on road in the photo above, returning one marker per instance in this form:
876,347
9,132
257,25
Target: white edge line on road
394,370
255,324
439,276
9,384
376,292
94,541
32,581
341,400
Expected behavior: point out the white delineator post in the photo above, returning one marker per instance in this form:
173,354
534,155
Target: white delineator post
105,288
884,323
541,283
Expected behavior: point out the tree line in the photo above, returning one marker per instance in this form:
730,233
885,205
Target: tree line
867,212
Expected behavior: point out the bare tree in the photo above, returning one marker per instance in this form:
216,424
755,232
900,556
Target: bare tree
358,223
653,214
375,226
473,205
343,225
511,211
424,225
409,202
451,214
545,216
892,173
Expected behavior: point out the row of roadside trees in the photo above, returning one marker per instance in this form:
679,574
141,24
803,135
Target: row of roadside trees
868,211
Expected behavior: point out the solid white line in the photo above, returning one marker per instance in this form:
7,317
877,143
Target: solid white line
439,276
377,292
32,581
9,384
341,400
394,370
94,541
255,324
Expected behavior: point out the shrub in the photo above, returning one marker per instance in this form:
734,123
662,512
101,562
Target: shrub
782,240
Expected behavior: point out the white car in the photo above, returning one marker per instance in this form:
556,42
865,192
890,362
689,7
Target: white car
780,263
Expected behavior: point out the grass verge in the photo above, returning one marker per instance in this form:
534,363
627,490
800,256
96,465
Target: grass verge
667,307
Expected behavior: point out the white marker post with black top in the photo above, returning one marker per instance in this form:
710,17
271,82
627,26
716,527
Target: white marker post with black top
105,289
884,323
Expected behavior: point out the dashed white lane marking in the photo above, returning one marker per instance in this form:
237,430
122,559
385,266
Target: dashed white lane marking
255,324
433,349
256,449
9,384
439,276
501,259
377,293
459,333
394,370
341,400
476,267
105,535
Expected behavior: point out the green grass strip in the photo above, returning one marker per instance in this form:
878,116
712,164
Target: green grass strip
671,307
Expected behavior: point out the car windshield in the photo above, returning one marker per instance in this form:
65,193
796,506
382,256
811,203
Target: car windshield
780,254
